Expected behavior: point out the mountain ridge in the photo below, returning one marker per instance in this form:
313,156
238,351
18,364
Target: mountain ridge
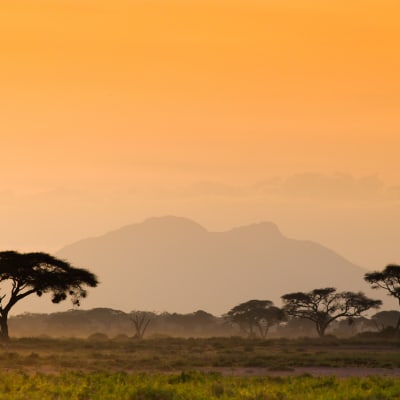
173,263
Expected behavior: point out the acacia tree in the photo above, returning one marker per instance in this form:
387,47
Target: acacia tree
255,314
23,274
141,320
269,317
389,280
385,320
323,306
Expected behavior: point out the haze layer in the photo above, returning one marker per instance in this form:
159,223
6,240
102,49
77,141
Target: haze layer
228,112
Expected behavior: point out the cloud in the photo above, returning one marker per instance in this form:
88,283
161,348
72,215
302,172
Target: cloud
209,188
328,187
310,186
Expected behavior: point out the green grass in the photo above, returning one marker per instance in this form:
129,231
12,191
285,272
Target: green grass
176,369
192,386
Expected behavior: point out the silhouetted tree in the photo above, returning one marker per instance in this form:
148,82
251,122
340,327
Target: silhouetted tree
26,273
322,306
352,326
389,280
268,318
255,314
385,319
296,327
141,320
197,324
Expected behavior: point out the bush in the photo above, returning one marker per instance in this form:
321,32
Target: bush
98,337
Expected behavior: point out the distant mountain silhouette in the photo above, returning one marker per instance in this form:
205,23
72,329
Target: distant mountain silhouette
174,264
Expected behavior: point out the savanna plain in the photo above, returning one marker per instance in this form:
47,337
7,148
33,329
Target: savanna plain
164,368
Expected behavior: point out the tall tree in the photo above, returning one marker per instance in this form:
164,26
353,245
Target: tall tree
255,315
389,280
23,274
323,306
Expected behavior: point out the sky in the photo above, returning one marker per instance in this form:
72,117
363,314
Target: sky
226,112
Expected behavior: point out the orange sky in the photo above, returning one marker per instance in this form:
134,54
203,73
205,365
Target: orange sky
112,111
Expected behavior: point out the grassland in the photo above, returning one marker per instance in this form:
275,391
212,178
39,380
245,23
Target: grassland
176,354
223,368
192,386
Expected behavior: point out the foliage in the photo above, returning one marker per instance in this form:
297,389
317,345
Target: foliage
385,319
353,326
82,323
323,306
39,273
389,280
255,314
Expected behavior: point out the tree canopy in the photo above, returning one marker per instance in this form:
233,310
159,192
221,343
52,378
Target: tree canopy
23,274
255,314
323,306
389,280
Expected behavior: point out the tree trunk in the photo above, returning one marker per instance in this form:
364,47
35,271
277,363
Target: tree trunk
397,329
4,328
252,335
262,331
321,330
141,322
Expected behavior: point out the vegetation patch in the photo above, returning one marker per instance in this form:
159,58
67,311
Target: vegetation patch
191,386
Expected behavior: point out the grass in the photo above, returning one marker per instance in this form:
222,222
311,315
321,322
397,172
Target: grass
176,354
193,369
192,386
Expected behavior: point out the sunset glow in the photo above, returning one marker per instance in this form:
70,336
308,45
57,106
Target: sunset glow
227,112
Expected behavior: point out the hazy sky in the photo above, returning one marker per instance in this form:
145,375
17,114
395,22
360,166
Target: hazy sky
227,112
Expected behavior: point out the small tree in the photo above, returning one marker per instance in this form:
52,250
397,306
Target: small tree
23,274
384,320
322,306
268,318
389,280
255,314
296,327
141,320
352,326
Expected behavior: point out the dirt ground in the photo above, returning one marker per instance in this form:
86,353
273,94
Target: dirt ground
314,371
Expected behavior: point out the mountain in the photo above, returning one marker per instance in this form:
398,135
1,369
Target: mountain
174,264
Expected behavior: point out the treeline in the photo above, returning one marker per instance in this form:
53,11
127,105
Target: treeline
106,322
320,311
324,308
83,323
